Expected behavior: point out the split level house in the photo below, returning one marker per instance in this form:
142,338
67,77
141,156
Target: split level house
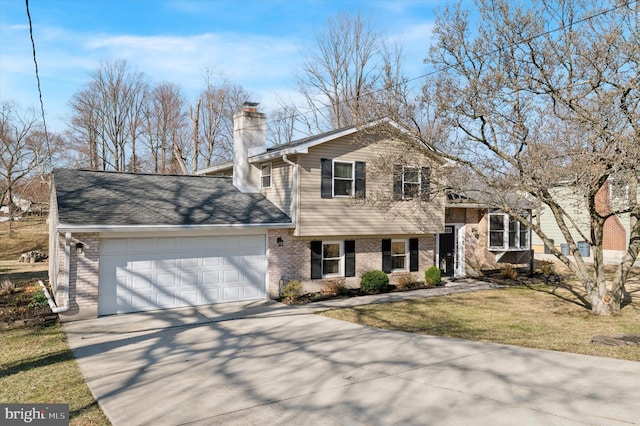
327,207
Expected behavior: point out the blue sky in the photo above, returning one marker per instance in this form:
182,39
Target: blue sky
257,44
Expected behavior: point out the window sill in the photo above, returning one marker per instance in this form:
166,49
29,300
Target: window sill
502,249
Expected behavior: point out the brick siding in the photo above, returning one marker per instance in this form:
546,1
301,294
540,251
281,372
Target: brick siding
292,260
83,278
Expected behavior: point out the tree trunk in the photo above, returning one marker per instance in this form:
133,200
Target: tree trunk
604,302
194,118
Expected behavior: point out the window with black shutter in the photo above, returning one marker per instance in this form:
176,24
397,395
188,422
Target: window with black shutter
342,178
316,260
413,254
350,258
386,256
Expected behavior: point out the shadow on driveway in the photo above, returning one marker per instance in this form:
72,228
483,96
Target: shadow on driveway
268,363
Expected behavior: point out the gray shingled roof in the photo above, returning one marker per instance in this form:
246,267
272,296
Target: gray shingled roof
110,198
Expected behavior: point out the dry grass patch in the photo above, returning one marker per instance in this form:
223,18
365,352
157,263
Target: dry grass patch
538,316
27,235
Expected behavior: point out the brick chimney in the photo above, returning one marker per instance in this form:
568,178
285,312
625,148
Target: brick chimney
249,139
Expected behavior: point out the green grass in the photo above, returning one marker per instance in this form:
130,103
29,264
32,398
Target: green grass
539,316
37,366
36,363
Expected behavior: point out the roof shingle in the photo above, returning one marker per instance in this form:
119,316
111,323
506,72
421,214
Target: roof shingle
114,198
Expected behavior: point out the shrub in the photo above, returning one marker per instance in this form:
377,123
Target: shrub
291,291
432,276
335,287
374,281
405,281
508,272
547,267
38,299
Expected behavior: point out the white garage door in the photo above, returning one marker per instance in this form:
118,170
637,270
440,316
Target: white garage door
142,274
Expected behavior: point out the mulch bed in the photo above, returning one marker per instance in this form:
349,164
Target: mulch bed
17,310
353,292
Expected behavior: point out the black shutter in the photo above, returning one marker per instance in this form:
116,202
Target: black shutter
349,258
386,256
326,190
316,260
413,254
361,179
425,187
397,182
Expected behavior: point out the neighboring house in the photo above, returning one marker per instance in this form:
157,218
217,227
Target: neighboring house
614,193
327,207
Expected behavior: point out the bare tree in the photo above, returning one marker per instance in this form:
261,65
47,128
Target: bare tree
85,131
165,127
195,134
22,151
341,78
219,103
107,112
282,125
538,98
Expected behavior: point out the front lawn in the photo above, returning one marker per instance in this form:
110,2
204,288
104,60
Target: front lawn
37,366
537,316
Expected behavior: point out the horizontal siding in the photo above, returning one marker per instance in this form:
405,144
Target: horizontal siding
575,207
377,215
281,183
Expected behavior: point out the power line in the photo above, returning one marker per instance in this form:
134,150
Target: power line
35,61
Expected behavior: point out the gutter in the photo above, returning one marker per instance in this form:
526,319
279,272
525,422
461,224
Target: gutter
294,189
156,228
67,268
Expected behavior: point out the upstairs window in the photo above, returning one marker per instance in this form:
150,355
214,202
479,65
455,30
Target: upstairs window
266,175
411,183
506,233
342,178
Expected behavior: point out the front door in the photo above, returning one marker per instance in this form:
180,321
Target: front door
447,243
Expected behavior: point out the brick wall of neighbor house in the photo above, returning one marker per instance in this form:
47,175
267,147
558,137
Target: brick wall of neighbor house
292,260
83,278
615,235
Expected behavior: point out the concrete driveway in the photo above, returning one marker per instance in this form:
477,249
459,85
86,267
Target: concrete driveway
266,363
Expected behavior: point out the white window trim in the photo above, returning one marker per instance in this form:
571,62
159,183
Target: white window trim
340,263
405,255
333,178
419,170
505,234
262,175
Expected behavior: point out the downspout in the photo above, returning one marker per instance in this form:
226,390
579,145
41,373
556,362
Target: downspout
294,188
67,268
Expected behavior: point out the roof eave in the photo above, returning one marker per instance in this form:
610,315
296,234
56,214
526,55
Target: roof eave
62,227
215,168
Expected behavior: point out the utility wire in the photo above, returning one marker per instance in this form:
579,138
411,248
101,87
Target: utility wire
35,61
